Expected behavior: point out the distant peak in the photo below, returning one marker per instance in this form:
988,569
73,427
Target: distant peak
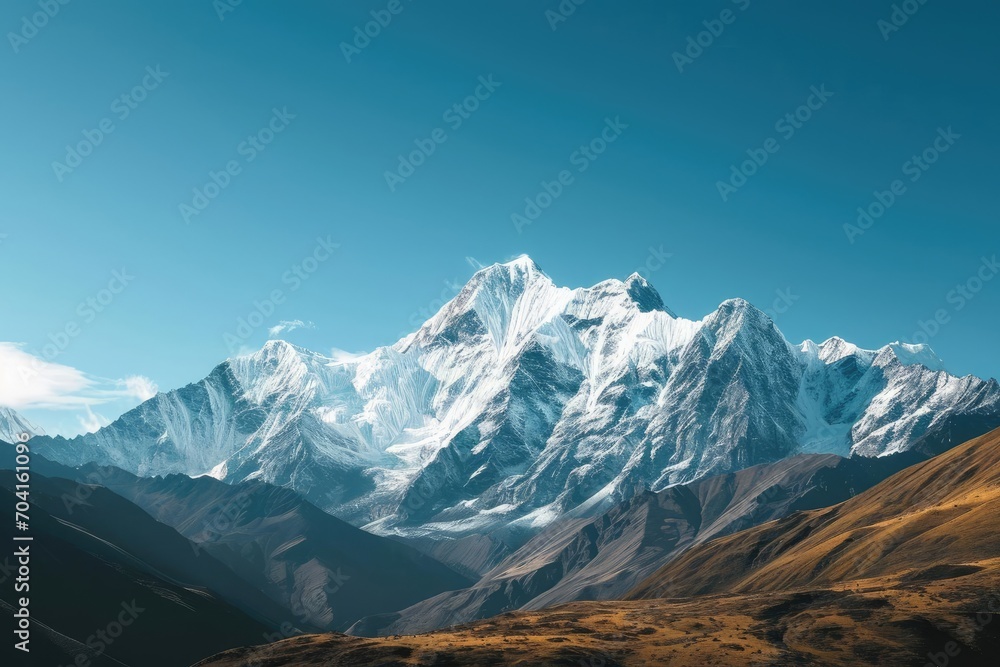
636,278
13,424
644,295
280,349
522,264
834,349
740,314
910,354
521,270
738,305
278,345
523,261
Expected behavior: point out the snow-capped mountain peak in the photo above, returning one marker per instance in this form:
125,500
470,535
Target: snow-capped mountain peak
12,425
644,295
910,354
520,400
836,349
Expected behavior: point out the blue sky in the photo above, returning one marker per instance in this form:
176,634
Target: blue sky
301,131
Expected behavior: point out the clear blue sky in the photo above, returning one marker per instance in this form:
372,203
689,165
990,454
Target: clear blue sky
400,249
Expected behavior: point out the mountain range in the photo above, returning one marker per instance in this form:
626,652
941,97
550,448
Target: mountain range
629,485
521,402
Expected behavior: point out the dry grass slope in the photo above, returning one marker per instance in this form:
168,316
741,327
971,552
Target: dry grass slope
907,573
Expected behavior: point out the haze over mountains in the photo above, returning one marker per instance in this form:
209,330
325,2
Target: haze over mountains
521,401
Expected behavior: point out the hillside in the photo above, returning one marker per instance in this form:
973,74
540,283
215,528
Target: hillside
939,514
906,573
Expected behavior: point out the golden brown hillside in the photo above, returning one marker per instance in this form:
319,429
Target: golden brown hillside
907,573
943,513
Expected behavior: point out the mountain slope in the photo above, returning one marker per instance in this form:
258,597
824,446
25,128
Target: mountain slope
12,425
107,517
906,573
938,516
604,557
81,584
324,572
520,401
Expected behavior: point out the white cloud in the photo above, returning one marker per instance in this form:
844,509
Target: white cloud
54,392
287,326
27,381
91,421
140,387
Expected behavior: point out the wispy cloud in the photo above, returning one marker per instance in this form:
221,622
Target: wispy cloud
287,326
91,421
140,387
30,382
